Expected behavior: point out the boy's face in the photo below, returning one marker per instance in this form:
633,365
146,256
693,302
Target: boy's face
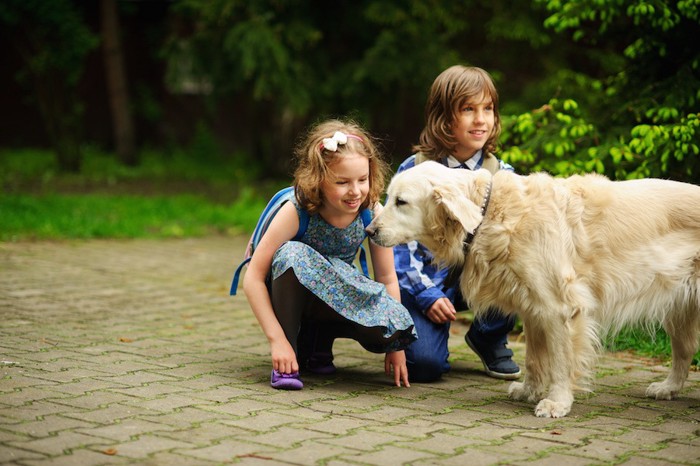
473,124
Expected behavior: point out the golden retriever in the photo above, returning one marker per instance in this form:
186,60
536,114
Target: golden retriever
573,257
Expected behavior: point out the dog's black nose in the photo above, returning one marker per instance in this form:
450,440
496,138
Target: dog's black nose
370,232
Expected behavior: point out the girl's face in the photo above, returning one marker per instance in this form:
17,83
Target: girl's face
347,185
472,126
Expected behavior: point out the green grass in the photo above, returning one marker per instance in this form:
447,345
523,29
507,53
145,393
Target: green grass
656,344
63,216
171,195
165,196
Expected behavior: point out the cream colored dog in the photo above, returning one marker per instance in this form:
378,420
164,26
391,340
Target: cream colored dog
573,257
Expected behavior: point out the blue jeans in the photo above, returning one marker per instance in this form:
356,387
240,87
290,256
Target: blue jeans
426,357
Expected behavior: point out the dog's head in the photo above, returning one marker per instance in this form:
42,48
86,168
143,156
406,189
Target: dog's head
432,204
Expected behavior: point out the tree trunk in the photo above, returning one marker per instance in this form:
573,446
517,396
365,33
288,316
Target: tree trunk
122,121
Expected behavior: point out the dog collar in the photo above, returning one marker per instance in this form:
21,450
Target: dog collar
484,205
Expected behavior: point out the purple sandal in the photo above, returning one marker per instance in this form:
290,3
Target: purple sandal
286,381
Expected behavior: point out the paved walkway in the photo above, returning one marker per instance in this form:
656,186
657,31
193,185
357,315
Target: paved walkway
132,352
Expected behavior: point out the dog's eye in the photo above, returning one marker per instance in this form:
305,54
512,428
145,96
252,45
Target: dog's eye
400,202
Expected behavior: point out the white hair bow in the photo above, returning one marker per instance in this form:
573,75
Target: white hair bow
332,143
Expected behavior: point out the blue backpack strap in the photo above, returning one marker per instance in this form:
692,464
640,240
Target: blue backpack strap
366,215
236,276
267,216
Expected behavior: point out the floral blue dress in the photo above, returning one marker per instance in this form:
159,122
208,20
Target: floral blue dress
323,262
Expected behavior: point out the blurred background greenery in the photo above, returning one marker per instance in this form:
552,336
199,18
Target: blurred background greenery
128,118
208,97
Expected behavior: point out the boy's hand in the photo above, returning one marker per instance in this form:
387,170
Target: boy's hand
396,362
441,311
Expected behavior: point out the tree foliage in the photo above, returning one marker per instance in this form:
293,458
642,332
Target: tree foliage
638,116
586,85
291,62
614,83
53,42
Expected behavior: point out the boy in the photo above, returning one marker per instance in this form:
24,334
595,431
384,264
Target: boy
461,131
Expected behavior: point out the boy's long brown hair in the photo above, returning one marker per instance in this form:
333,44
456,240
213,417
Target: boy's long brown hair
313,162
451,89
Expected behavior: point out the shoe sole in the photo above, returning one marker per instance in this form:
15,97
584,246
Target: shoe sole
489,372
287,384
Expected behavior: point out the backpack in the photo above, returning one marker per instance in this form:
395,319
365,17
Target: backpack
269,212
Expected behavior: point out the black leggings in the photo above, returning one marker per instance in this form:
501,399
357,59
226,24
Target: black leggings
311,325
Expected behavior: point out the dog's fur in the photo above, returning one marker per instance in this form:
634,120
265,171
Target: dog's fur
573,257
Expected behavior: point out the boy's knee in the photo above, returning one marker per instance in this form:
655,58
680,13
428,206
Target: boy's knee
425,369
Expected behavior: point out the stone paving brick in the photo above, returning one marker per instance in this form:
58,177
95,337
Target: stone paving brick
58,444
34,410
228,450
417,428
49,425
93,400
166,404
440,443
183,418
8,436
149,444
389,454
567,435
83,457
284,435
643,461
12,455
607,451
677,452
176,459
310,452
363,440
265,421
461,418
134,346
103,415
122,431
548,458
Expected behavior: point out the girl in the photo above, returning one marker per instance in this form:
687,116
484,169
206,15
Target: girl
461,131
306,293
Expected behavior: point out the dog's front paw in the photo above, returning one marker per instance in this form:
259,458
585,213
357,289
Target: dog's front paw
662,390
549,408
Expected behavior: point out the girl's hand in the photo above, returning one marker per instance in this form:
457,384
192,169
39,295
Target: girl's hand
284,360
396,362
441,311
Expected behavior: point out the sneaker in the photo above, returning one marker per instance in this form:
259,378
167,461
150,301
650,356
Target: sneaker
498,362
286,381
321,363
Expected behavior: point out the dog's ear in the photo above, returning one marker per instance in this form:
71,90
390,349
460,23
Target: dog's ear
458,207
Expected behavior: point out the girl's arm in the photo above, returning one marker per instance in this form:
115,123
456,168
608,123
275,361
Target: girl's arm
282,228
383,264
385,272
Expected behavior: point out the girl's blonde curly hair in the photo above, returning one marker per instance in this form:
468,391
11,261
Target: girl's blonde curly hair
451,89
313,162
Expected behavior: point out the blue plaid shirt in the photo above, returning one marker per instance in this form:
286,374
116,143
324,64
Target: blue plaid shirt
421,281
